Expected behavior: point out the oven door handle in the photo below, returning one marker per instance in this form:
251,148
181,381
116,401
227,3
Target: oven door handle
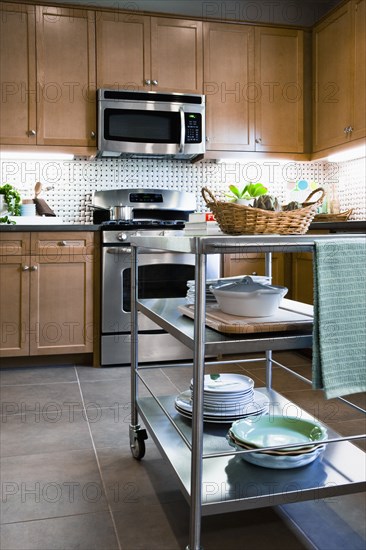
127,250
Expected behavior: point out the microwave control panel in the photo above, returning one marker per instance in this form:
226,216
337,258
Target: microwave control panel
193,128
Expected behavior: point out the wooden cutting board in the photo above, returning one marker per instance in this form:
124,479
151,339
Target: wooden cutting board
290,316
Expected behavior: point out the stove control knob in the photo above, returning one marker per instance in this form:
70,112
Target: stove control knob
122,237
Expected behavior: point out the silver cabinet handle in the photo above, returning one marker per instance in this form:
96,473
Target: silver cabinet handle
148,82
92,135
182,130
207,139
25,268
258,140
32,133
154,82
34,267
350,129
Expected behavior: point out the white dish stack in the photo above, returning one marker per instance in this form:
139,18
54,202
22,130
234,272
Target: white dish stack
226,397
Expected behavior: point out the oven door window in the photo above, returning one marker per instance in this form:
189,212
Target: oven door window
158,281
138,126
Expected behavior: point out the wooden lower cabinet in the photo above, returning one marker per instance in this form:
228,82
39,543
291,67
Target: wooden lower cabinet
254,264
46,300
302,277
14,306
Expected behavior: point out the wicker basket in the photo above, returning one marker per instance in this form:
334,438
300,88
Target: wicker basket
237,219
340,217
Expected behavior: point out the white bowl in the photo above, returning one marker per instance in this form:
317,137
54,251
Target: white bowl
248,299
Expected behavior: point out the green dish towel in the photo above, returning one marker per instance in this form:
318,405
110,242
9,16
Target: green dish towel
339,332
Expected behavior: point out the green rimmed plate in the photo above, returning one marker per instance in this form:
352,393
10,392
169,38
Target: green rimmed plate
273,430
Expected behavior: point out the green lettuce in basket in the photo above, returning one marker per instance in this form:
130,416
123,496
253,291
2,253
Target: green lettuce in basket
250,191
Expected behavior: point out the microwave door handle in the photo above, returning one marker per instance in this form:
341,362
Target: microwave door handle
182,130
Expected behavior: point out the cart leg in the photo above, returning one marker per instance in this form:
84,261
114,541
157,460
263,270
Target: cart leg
137,435
197,416
268,369
268,273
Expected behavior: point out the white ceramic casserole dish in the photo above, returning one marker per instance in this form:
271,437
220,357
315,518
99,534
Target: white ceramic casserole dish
246,298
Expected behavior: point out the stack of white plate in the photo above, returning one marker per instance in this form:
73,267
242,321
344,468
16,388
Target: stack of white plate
272,430
226,397
191,292
210,298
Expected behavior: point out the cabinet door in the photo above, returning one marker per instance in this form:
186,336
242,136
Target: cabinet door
359,104
123,51
228,72
253,264
176,55
14,305
61,305
302,277
332,49
66,75
279,82
17,74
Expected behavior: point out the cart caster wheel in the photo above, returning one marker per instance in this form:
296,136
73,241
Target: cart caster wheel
138,445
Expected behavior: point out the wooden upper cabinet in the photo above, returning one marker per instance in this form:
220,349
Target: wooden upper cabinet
123,51
340,77
254,85
333,44
66,109
359,64
279,89
17,74
228,72
148,53
176,55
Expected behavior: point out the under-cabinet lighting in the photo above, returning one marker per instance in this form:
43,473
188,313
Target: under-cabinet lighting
19,155
251,160
350,154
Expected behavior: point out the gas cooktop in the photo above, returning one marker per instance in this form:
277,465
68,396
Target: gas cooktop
143,224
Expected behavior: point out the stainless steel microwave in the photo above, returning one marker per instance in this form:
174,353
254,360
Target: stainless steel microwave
150,124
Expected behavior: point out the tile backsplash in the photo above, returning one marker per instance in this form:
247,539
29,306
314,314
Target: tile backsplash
68,185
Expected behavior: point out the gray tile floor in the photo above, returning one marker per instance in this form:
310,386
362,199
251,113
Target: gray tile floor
69,481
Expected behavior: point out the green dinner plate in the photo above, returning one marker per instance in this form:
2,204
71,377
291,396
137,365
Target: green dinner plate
270,431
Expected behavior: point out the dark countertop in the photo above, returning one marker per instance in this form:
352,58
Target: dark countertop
342,227
333,227
50,227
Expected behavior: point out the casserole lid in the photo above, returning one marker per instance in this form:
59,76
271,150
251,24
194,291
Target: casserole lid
246,284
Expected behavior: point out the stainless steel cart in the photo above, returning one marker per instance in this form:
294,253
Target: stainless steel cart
210,476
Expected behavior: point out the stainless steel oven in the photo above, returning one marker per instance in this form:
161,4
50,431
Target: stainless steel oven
161,274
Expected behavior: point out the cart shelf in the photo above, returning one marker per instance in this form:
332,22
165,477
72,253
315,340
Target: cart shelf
166,314
231,484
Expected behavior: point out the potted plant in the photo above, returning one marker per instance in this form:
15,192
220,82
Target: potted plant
12,202
247,193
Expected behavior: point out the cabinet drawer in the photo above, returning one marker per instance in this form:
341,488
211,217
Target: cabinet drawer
14,244
66,243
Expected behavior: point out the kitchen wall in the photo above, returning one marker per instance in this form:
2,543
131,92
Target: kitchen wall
68,185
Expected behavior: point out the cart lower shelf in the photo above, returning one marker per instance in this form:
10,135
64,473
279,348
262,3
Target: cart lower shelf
231,484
